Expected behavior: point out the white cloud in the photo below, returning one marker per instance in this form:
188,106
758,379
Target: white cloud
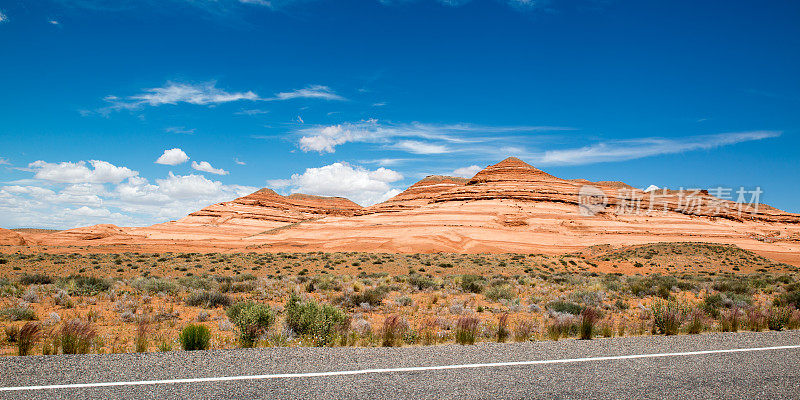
417,147
180,130
205,166
173,157
78,172
646,147
70,194
467,172
324,139
174,93
3,17
356,183
310,92
4,161
54,22
239,162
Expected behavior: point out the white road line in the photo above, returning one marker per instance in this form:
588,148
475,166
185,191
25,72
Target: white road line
390,370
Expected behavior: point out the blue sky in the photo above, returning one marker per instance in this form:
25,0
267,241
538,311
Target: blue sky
363,98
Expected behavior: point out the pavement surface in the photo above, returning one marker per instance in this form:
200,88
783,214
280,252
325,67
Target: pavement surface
744,365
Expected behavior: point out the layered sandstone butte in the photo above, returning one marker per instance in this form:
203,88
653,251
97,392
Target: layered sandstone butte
267,206
248,215
507,207
10,238
418,194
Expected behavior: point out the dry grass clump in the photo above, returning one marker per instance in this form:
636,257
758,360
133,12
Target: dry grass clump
27,337
466,330
394,327
77,336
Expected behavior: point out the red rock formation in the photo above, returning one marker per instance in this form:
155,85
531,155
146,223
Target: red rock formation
266,205
418,194
10,238
93,232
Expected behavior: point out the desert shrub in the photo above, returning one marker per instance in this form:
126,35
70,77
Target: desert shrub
208,299
142,330
655,285
502,328
27,337
195,337
155,285
560,306
373,296
778,317
236,284
736,286
561,325
497,292
62,299
77,336
523,330
38,279
30,296
321,322
194,282
754,319
667,317
18,313
394,327
791,297
729,321
252,320
85,285
12,333
472,283
421,282
589,318
466,330
696,321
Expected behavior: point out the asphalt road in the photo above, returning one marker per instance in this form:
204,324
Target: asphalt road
677,367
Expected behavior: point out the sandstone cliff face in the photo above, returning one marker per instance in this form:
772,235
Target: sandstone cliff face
513,179
10,238
267,206
417,195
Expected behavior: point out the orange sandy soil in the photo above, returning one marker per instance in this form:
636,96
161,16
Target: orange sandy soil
531,279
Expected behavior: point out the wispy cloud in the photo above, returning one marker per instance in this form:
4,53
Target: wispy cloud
417,147
310,92
622,150
325,138
208,94
175,93
3,17
180,130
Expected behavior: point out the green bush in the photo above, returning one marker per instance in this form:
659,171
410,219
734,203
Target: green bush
565,307
667,317
208,299
472,283
497,292
321,322
195,337
372,296
778,317
85,285
422,282
791,297
39,279
252,320
18,313
155,285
